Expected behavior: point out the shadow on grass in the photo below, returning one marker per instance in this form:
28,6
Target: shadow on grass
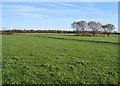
78,40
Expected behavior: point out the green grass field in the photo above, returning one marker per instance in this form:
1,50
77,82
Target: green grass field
59,59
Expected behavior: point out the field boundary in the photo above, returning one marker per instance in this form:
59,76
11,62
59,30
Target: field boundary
78,40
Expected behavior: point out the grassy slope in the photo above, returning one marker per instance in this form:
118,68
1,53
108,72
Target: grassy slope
43,60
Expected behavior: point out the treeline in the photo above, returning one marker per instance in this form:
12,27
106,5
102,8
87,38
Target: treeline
81,27
9,32
35,31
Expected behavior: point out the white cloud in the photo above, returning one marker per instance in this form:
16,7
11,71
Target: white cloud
40,12
31,15
21,8
26,11
60,0
89,8
64,4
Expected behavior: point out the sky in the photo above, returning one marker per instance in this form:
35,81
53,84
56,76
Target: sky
56,15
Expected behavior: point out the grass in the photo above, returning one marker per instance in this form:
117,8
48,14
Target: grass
59,59
0,60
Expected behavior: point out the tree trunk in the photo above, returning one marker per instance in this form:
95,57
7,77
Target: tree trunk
77,33
93,33
83,33
108,34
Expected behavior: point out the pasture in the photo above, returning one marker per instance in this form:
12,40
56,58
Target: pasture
59,59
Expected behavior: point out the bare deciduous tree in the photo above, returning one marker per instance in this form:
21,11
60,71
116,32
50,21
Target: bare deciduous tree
108,28
79,26
92,27
82,25
95,26
75,25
